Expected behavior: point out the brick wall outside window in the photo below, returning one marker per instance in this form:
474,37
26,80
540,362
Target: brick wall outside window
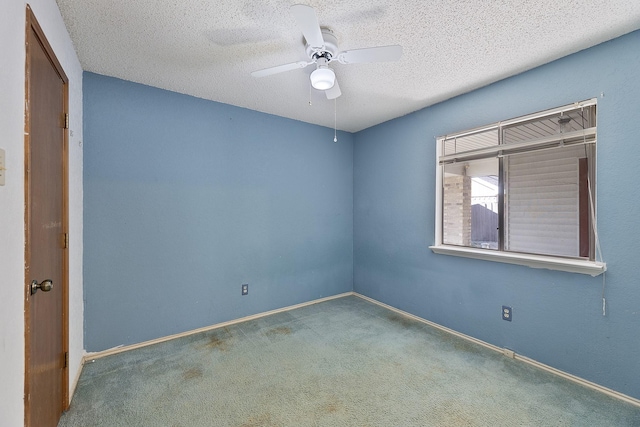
457,210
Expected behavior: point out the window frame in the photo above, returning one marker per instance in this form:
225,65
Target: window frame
588,266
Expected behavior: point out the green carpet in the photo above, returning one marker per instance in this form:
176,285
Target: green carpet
345,362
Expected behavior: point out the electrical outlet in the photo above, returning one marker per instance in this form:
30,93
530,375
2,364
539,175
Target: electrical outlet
245,289
507,313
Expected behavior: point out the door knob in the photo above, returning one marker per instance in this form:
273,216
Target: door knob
44,286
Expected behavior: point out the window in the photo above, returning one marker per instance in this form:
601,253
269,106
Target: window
522,191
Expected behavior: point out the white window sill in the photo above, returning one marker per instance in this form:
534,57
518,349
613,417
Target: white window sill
592,268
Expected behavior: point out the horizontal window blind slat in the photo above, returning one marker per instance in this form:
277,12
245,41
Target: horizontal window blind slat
547,186
541,246
562,217
535,219
520,202
549,230
551,156
541,165
555,141
558,185
557,251
556,236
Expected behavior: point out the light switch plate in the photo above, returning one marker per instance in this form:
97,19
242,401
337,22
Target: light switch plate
2,167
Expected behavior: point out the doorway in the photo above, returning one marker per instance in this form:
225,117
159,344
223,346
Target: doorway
46,231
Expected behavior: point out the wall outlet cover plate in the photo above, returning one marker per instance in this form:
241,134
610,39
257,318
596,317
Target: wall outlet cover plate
507,313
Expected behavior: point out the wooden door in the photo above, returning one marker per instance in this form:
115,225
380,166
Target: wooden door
46,376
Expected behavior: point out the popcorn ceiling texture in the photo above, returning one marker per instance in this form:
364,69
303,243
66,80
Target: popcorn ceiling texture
209,48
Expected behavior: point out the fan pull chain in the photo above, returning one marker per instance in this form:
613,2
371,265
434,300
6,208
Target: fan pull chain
335,120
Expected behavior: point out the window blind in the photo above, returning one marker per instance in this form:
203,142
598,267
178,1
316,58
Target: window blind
542,210
570,125
586,136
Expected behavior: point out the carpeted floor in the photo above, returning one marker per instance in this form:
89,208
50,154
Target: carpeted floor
345,362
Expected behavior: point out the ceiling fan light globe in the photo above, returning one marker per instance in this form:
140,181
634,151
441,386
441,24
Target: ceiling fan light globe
323,78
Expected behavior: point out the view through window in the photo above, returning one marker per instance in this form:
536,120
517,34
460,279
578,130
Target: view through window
524,185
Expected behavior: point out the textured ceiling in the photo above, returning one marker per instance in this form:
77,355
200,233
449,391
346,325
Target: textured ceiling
208,48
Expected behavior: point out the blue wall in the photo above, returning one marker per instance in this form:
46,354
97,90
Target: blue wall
557,316
186,199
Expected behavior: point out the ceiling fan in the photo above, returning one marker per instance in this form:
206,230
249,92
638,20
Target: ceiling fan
321,46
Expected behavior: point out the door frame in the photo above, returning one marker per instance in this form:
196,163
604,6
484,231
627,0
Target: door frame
33,25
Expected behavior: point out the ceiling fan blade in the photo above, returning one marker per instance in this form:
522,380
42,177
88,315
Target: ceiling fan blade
308,23
371,54
333,92
280,69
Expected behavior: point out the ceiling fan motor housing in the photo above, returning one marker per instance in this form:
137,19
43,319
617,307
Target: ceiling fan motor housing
321,47
328,51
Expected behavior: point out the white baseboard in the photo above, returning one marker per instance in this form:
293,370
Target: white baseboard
123,348
512,354
506,352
